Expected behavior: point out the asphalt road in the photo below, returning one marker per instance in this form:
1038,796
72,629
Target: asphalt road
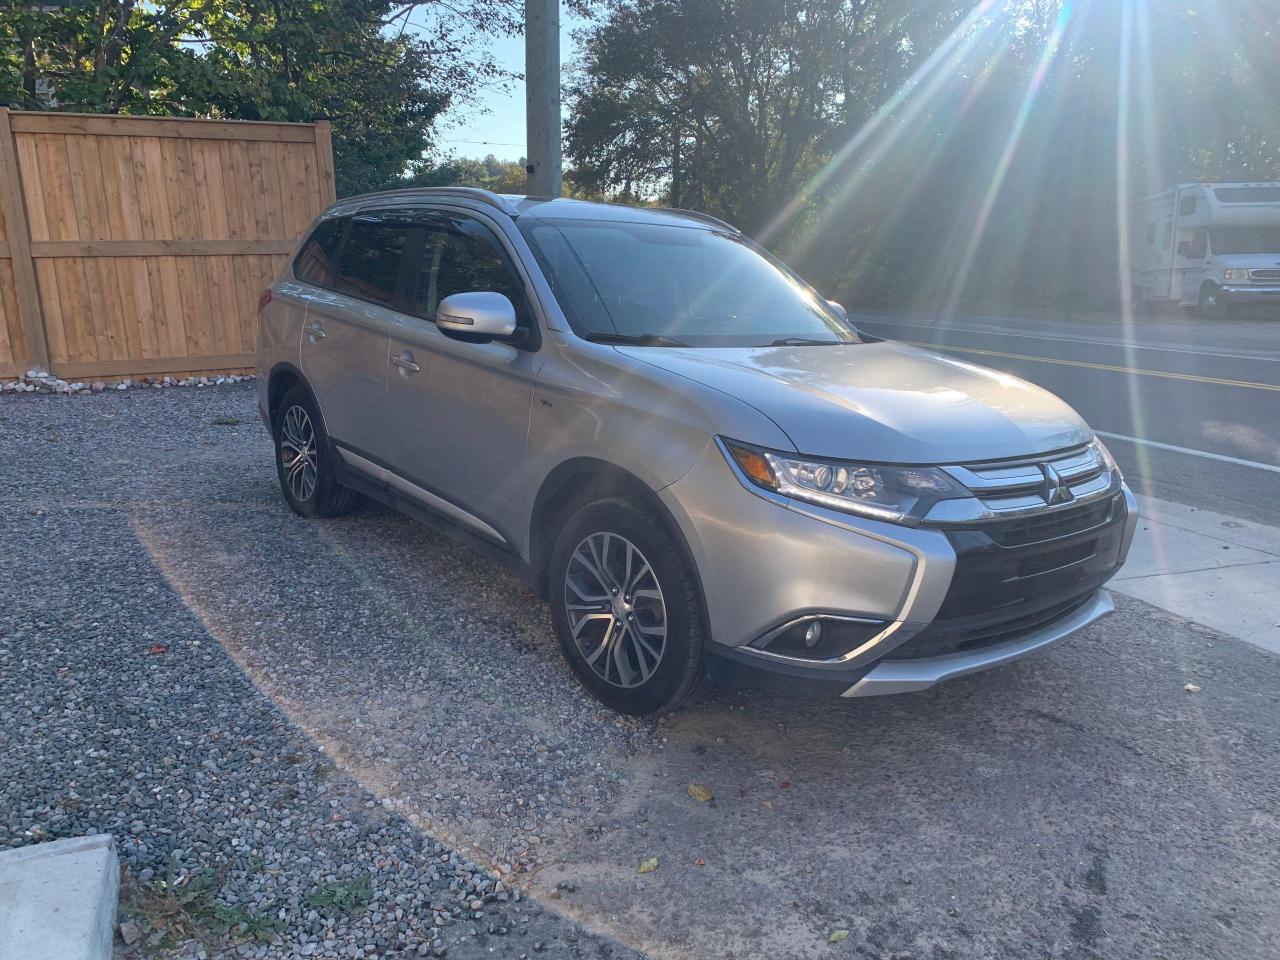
1172,381
1077,805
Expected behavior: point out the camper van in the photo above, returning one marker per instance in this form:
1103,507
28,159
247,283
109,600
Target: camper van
1215,246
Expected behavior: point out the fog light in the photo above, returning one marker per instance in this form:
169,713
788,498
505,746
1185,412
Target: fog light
820,638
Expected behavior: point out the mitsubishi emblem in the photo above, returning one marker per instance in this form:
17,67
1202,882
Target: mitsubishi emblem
1054,490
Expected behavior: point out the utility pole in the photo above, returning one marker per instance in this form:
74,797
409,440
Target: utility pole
542,97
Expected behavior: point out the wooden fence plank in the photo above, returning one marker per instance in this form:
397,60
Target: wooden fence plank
24,271
324,158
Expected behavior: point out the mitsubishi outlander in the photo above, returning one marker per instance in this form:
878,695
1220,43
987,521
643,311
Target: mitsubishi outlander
698,462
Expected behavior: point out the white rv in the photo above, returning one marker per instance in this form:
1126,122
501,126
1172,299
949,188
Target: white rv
1211,245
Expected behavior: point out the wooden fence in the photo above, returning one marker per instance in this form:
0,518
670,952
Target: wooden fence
132,246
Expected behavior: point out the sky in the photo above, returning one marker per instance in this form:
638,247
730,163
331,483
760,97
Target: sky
495,124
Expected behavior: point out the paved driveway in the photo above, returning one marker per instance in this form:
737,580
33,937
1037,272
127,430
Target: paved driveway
1078,805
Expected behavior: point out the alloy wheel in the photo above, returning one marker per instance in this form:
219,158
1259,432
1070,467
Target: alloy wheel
616,612
298,453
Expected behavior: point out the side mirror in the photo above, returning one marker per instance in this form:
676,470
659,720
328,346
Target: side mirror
1184,248
838,308
480,316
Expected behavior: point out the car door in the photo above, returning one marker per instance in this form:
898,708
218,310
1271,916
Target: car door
345,336
459,411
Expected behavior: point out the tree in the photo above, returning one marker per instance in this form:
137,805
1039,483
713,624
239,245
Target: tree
928,152
355,61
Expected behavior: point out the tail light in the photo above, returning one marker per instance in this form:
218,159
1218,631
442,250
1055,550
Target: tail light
264,298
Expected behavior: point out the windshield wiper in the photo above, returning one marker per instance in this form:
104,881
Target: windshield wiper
635,339
805,342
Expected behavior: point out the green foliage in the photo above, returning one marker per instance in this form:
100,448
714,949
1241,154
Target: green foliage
355,61
928,153
174,909
343,898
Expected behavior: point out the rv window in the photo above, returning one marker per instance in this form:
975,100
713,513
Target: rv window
1247,194
1226,240
1187,208
1151,233
1168,235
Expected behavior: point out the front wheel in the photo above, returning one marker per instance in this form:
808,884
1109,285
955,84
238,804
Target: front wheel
626,608
1212,304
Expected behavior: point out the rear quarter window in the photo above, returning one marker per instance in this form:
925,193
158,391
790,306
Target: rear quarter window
317,261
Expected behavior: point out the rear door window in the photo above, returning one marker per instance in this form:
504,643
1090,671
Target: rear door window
319,255
370,264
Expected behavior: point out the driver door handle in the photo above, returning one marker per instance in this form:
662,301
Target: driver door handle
404,361
314,330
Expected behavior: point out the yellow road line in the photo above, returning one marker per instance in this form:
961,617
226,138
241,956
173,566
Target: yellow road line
1168,375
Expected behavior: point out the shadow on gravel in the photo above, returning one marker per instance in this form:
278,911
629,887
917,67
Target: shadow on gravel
1079,805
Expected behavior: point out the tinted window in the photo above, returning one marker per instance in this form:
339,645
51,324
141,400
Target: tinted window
462,256
315,263
1187,207
370,260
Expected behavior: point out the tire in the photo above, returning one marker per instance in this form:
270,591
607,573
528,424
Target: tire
1212,306
311,489
609,654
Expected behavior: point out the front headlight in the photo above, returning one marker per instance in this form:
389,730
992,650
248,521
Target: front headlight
1107,459
1235,275
892,493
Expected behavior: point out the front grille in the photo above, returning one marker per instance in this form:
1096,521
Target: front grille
1042,527
1015,576
1026,487
1265,275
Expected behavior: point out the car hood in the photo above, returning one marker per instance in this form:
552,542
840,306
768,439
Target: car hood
882,402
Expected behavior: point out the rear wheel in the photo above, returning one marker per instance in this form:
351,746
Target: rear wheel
625,607
304,459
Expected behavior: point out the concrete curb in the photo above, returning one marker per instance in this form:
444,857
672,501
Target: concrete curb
58,899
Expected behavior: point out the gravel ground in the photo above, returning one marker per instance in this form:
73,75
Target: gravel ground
123,708
361,698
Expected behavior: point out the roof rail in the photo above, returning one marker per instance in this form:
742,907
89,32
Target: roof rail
696,215
465,193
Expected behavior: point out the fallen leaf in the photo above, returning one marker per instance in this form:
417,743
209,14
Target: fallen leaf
767,804
785,784
838,936
1191,688
158,648
647,865
699,862
698,792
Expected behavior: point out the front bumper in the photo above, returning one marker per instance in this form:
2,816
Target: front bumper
1251,293
907,676
953,602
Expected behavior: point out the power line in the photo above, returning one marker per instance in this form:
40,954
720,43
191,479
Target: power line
485,143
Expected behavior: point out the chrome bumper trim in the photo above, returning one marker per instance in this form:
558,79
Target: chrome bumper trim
906,676
1260,291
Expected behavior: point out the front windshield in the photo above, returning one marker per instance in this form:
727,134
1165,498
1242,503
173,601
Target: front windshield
1245,240
677,286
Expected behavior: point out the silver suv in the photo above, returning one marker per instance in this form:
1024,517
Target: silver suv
701,465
